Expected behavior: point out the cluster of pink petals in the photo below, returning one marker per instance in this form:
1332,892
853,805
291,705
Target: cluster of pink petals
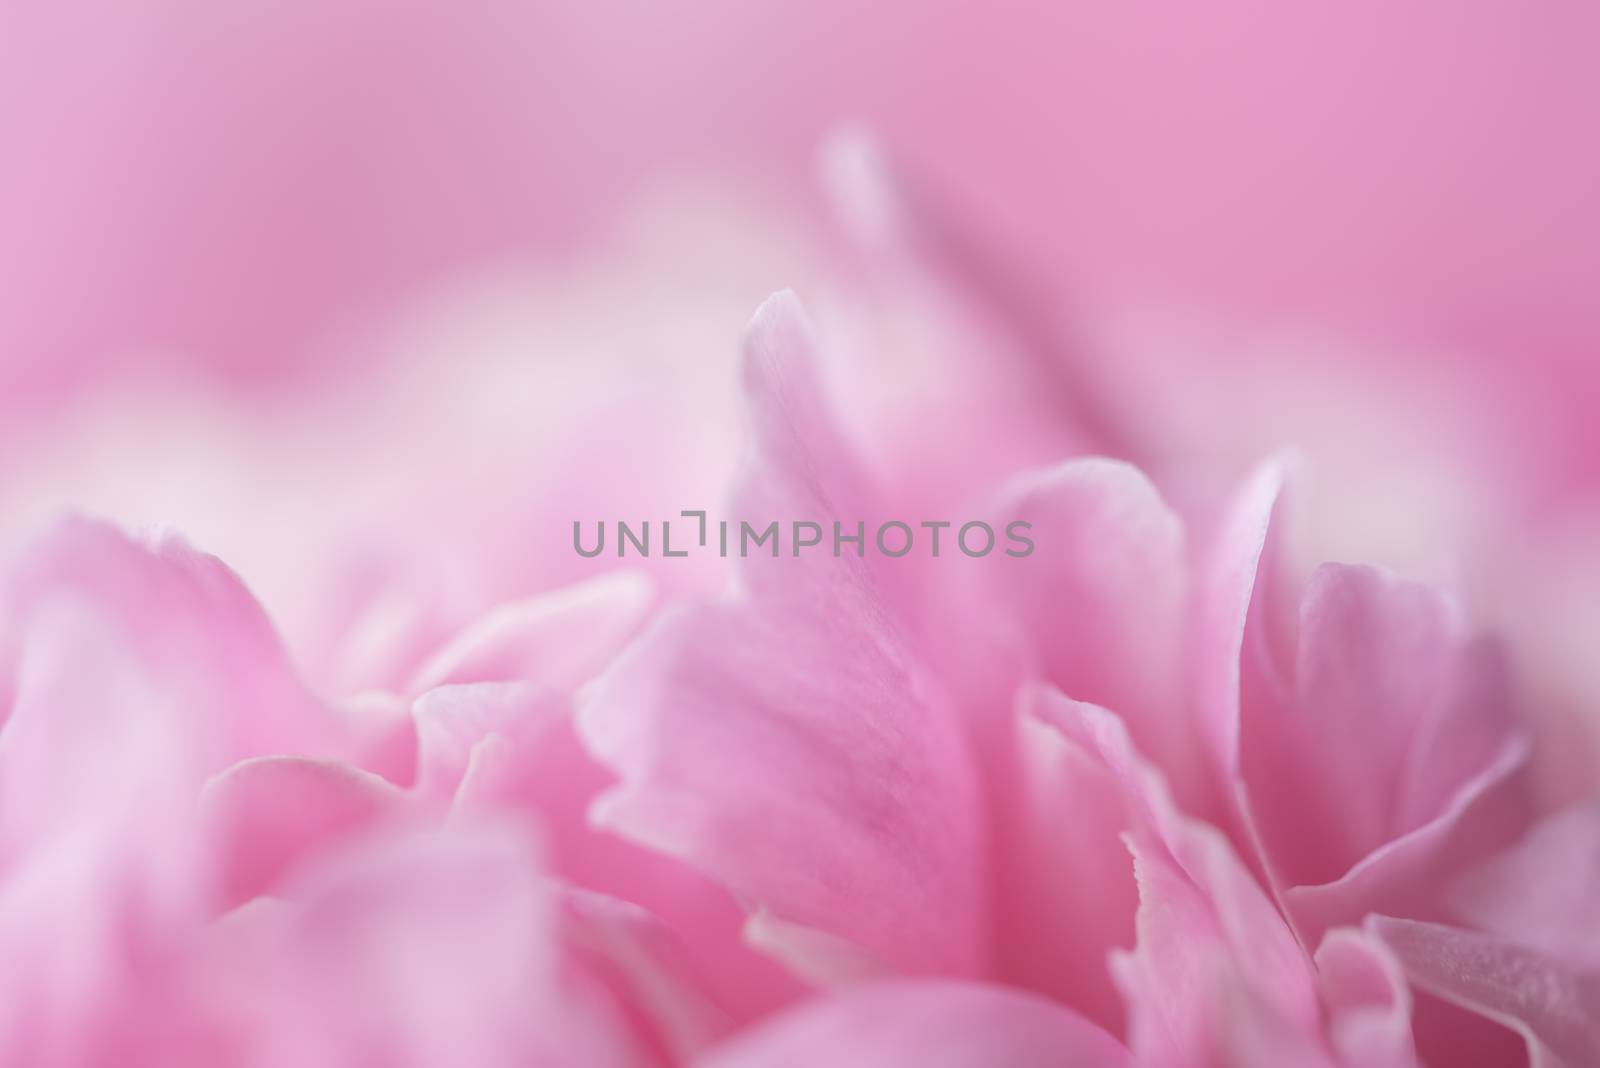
405,783
1152,796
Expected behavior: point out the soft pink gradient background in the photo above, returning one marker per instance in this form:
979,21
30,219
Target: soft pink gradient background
1354,226
226,184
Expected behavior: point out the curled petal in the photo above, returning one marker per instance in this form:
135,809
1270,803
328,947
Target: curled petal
1204,924
1410,873
511,749
1367,1000
270,813
1065,895
788,743
453,719
1102,603
1234,589
1395,709
557,639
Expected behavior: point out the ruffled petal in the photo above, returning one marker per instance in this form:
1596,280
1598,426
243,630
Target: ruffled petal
1065,894
510,749
1211,943
452,720
134,672
1101,603
787,743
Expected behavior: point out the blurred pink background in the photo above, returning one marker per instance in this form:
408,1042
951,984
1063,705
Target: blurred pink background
227,184
1316,194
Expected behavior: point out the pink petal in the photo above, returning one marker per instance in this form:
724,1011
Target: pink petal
1396,761
426,951
924,1025
1545,891
510,748
964,341
1215,967
105,860
787,744
1248,1033
1378,666
1202,917
1368,1003
1064,890
193,623
270,813
1102,605
1410,873
451,720
647,969
1554,1007
101,858
558,639
1469,734
1234,589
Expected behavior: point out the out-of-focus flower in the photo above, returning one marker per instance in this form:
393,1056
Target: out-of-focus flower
1159,793
751,735
847,769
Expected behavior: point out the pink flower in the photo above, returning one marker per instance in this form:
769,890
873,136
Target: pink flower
1167,790
195,874
798,744
1112,802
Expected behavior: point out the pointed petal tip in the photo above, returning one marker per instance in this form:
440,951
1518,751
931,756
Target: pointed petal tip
781,308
